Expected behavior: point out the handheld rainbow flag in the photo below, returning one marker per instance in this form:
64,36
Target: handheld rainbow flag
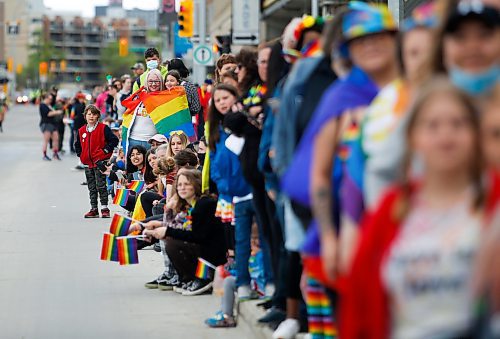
136,185
120,225
127,251
203,269
109,251
121,197
169,111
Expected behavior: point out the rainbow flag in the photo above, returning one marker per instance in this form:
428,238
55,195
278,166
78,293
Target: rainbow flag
109,251
169,111
127,251
136,185
120,225
203,269
121,197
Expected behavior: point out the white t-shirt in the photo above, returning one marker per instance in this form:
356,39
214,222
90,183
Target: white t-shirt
143,128
428,269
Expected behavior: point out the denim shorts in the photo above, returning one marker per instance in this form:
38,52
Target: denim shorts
48,127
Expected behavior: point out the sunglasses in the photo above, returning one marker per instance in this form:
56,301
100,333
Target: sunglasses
176,133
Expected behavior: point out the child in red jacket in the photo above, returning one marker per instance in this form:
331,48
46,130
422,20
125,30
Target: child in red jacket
94,145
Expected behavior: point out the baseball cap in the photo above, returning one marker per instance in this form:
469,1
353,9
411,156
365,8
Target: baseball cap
471,9
115,126
159,138
138,65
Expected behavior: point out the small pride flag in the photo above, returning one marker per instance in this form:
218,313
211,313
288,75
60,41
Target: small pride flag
121,197
203,269
120,225
127,251
136,185
109,251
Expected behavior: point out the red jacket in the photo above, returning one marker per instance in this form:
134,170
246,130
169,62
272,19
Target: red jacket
364,304
94,146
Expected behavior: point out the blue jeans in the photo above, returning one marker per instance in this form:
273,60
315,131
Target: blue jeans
244,213
133,142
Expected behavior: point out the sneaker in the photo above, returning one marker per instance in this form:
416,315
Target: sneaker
105,213
199,287
288,329
56,156
244,293
182,287
272,315
221,320
79,167
153,284
169,284
93,213
46,158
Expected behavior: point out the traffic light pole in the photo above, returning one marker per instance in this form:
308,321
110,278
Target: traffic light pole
199,71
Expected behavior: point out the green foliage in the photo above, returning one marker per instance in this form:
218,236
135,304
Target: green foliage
114,64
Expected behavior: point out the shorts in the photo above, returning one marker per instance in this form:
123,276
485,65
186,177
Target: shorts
47,127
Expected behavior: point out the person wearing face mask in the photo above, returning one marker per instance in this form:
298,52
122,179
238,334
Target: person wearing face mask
153,61
469,46
138,126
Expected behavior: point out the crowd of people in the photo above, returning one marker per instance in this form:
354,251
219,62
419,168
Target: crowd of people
355,163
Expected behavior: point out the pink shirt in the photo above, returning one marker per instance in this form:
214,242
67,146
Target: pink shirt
100,102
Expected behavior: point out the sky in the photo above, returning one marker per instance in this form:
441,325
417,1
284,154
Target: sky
87,6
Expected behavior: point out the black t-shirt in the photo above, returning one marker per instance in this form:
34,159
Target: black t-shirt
44,114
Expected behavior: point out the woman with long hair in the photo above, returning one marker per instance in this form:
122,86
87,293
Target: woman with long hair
417,248
234,193
190,232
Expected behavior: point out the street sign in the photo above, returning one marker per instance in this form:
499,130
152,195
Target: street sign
246,22
202,55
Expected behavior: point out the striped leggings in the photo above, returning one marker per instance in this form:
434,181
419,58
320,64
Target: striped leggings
319,311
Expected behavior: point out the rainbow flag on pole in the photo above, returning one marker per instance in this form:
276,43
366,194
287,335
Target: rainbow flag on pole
169,111
121,197
120,225
127,251
109,251
203,269
136,186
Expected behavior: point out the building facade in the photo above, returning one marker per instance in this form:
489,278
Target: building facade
81,40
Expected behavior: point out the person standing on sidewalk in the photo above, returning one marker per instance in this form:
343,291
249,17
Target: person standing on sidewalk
94,146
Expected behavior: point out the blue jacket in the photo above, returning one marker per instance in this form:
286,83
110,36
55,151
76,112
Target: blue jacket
225,171
264,161
284,129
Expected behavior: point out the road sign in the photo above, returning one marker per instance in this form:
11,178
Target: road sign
202,55
246,22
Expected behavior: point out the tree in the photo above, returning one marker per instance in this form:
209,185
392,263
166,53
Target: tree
42,50
112,63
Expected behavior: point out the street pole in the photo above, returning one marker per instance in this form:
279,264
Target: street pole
314,8
199,71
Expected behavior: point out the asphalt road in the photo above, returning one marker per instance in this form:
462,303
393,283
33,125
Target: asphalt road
52,282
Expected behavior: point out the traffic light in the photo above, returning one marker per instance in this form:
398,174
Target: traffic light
123,47
78,77
43,67
185,18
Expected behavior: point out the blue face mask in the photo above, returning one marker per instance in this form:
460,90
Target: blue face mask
475,84
152,64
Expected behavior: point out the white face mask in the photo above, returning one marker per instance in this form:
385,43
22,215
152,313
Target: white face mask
152,64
